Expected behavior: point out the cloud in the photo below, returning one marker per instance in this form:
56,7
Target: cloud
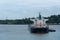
28,8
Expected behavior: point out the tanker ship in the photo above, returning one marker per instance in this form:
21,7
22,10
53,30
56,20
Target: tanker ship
39,25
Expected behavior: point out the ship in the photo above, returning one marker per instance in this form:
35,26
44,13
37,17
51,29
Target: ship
39,25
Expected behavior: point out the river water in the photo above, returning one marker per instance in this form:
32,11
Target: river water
21,32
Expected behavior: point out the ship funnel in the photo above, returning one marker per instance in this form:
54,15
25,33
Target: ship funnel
40,16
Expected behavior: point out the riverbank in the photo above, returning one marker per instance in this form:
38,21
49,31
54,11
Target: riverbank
26,24
52,24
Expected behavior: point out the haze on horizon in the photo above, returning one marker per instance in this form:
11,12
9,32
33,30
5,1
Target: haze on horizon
16,9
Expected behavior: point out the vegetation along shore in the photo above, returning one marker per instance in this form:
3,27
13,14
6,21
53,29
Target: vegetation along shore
53,19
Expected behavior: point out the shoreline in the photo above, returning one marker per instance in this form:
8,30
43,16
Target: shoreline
26,24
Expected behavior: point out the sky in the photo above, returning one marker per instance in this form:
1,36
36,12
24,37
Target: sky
17,9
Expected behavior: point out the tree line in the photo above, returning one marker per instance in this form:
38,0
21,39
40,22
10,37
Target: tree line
53,19
17,21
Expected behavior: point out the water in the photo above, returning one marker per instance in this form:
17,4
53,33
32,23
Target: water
21,32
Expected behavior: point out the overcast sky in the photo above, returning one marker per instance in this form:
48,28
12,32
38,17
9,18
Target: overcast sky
16,9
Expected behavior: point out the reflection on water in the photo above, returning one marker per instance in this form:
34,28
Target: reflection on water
21,32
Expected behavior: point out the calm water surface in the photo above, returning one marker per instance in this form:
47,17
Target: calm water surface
21,32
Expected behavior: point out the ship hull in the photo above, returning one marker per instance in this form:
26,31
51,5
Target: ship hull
39,30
